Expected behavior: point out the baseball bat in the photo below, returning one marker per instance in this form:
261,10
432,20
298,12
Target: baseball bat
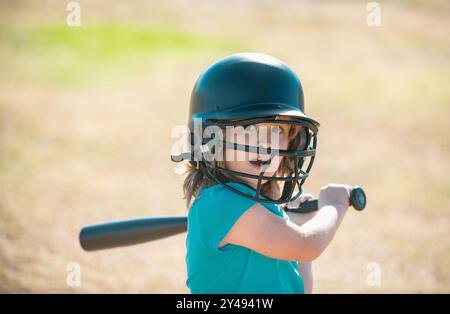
134,231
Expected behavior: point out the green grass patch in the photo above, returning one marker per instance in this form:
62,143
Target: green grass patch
62,54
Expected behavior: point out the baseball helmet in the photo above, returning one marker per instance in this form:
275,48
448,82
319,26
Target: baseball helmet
246,89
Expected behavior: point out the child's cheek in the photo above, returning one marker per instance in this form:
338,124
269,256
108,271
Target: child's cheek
275,164
284,141
230,155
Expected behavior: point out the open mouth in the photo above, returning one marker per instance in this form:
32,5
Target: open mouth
260,163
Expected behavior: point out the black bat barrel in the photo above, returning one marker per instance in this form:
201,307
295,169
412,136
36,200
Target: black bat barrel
131,231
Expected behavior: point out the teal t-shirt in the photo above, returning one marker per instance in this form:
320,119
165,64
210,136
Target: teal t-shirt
232,268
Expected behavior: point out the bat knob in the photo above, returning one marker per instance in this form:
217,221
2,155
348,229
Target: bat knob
358,198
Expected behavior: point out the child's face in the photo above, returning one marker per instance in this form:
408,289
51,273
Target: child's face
267,135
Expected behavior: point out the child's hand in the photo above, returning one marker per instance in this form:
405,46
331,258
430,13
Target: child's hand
336,195
303,198
300,218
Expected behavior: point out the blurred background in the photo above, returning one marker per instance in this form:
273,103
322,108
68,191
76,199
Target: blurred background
86,115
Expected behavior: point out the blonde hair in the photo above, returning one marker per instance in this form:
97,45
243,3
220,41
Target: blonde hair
195,180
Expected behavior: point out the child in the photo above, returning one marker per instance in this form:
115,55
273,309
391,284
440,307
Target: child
252,147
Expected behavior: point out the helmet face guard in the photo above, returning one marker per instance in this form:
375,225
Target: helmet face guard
299,157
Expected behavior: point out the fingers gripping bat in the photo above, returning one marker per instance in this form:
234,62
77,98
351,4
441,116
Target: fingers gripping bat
134,231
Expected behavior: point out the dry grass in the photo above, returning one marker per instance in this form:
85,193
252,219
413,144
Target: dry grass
84,151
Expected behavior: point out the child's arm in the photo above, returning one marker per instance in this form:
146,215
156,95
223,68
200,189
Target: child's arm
305,269
273,236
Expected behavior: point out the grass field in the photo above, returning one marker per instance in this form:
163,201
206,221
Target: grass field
86,116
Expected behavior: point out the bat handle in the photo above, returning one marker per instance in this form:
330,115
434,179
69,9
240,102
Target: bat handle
357,200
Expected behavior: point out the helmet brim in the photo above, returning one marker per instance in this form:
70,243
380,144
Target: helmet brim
259,111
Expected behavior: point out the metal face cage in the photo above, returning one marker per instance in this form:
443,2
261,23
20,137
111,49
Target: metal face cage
299,155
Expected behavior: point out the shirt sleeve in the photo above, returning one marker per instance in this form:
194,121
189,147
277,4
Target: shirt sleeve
219,210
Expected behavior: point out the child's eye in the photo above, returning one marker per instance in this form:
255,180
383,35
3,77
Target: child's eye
276,129
251,128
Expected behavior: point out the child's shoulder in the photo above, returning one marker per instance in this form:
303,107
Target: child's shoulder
219,197
216,200
218,192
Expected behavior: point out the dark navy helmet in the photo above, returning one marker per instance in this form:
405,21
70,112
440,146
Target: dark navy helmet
246,89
